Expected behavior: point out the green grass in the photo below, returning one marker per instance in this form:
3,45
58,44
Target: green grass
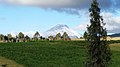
51,53
45,54
115,54
9,63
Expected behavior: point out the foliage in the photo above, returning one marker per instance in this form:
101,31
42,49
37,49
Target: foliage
27,38
85,35
20,35
5,38
58,36
99,54
9,37
51,37
22,38
65,36
36,36
1,37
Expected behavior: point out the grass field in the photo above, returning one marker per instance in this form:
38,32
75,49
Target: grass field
52,53
9,63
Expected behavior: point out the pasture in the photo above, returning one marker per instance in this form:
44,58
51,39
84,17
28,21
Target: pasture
52,53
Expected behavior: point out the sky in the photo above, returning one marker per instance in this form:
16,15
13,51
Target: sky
29,16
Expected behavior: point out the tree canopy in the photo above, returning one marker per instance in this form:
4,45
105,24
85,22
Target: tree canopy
20,35
85,35
37,35
58,36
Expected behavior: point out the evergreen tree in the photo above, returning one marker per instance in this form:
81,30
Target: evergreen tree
9,37
27,38
1,37
99,54
58,36
5,39
65,36
36,36
21,37
85,35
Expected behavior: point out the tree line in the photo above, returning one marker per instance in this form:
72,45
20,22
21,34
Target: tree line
36,37
60,37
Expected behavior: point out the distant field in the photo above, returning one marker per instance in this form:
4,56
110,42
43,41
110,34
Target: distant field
52,53
113,38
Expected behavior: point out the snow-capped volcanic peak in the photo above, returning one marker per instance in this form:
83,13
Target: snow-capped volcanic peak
58,27
61,29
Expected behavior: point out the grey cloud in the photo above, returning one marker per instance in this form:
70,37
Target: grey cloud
75,7
67,10
69,6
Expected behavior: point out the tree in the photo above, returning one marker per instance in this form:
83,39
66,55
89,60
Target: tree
9,37
85,35
27,38
5,39
58,36
36,36
51,37
1,37
99,54
65,36
21,37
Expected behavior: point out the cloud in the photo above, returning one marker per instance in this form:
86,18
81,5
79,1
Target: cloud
112,23
49,3
76,7
57,4
68,6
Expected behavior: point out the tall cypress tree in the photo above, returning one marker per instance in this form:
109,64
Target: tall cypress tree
99,54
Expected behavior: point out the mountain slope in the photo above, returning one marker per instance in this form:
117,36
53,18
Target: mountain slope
115,35
61,29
